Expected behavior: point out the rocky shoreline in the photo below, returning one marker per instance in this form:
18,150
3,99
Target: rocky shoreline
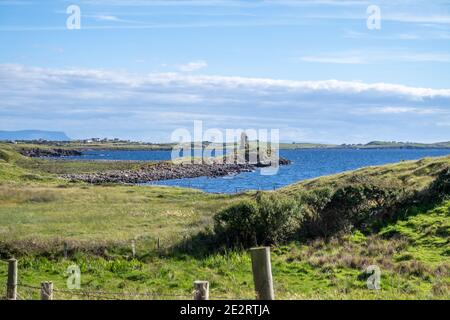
45,153
165,171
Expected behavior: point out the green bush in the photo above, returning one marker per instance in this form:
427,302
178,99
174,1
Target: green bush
5,156
362,203
236,224
359,205
440,188
268,219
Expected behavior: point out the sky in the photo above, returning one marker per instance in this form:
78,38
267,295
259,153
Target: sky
316,70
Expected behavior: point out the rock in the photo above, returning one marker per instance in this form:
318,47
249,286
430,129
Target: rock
37,152
284,161
166,171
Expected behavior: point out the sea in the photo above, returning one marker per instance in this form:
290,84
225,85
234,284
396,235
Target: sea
306,164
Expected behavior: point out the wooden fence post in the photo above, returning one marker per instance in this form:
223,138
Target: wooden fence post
66,248
133,248
201,290
11,285
46,290
262,273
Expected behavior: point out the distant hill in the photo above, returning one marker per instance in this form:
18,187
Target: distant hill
34,135
405,145
370,145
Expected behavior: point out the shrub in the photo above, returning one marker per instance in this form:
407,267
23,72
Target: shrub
4,156
364,203
268,219
360,205
440,188
279,218
237,223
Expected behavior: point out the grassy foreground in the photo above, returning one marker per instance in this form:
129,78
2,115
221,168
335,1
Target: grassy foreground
415,265
38,212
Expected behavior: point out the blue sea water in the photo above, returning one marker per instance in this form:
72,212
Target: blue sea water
306,164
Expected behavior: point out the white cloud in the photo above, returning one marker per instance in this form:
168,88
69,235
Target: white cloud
111,18
400,110
418,18
144,106
105,79
377,56
193,66
226,3
334,59
106,18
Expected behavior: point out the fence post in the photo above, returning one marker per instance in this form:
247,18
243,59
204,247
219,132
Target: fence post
46,290
201,290
133,248
11,285
66,247
262,273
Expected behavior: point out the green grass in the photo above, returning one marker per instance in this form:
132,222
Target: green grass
168,146
38,212
413,266
370,145
93,146
104,213
412,174
60,167
10,172
13,165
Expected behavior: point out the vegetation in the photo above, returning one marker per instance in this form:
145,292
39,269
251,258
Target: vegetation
412,254
370,145
130,145
396,217
61,167
267,220
18,167
348,202
98,145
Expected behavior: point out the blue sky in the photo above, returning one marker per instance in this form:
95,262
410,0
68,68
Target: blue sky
140,69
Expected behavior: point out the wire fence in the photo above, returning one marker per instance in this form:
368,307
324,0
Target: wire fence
200,291
3,266
32,292
231,189
2,292
26,291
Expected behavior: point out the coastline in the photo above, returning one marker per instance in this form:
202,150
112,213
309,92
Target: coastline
166,171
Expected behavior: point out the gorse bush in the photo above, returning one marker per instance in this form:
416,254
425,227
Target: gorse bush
363,203
238,223
268,219
280,218
360,205
272,218
440,188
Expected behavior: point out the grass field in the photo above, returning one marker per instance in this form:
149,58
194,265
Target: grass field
413,266
94,145
168,146
104,214
38,212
